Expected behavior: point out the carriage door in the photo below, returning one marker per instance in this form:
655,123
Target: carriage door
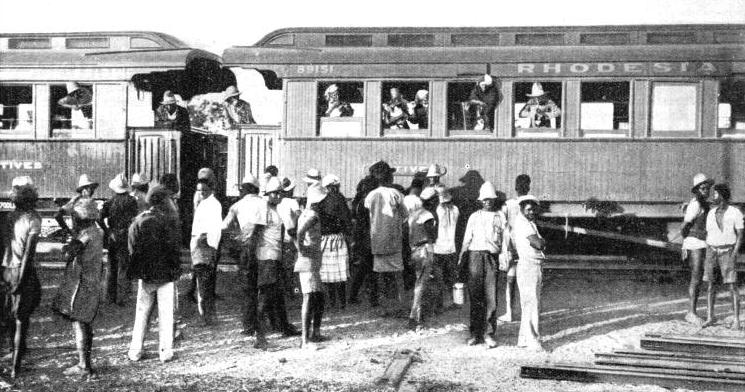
250,149
155,152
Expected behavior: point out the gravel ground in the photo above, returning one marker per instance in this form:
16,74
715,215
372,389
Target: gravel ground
583,313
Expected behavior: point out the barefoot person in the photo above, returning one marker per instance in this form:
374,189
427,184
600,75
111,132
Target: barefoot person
530,246
19,286
724,225
693,231
308,267
508,263
86,252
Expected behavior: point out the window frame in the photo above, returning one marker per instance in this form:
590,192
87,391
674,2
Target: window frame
730,132
318,119
73,133
469,132
610,133
30,133
558,132
696,132
420,132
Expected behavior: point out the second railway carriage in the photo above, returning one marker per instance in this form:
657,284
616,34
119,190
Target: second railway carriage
124,76
642,108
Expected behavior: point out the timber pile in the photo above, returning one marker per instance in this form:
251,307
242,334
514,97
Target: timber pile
669,361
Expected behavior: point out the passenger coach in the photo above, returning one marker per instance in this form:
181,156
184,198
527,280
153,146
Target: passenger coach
114,81
643,108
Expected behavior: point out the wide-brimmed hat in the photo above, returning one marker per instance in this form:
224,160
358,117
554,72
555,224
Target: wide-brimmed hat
119,184
331,89
169,98
487,191
422,94
330,179
288,184
231,91
273,185
22,181
315,194
312,175
700,179
536,90
138,180
249,178
381,167
72,86
86,208
436,170
487,80
85,181
527,198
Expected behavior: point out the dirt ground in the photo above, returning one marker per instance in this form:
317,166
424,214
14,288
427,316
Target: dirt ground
583,313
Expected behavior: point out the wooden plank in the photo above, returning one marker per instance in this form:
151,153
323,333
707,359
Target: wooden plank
699,338
702,347
396,370
717,366
589,374
681,355
614,236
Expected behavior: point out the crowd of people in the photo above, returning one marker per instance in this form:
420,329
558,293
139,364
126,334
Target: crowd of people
428,240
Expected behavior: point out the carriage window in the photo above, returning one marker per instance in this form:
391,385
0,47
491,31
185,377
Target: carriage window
604,108
732,106
405,106
142,43
16,109
341,109
537,107
674,107
472,105
70,108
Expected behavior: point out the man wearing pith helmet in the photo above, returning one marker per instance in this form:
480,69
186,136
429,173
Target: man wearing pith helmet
86,188
693,231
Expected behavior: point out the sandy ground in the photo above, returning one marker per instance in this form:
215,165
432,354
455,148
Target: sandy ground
583,313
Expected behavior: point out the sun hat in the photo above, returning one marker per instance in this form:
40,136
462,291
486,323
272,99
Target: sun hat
422,94
536,90
315,194
249,178
381,167
436,170
700,179
331,89
119,184
231,91
288,184
168,98
138,180
487,80
85,181
22,181
330,179
313,175
527,198
487,191
86,208
273,185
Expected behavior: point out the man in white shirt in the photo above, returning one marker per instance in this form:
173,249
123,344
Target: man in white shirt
289,211
206,231
724,228
446,256
508,258
530,246
387,216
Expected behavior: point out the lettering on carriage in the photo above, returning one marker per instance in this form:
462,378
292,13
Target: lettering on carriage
315,69
618,68
20,165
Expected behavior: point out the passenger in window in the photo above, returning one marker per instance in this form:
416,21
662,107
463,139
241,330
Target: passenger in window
395,111
540,109
419,109
170,114
79,100
335,107
482,104
239,111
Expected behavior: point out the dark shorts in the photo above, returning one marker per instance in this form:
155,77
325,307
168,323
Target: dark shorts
724,259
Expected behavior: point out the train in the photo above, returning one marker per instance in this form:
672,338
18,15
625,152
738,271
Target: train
642,108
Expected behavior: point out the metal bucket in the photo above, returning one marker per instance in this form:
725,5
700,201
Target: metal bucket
459,296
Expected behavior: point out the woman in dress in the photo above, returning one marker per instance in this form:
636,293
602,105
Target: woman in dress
336,224
20,287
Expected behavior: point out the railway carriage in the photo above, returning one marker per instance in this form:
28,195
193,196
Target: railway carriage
124,76
643,108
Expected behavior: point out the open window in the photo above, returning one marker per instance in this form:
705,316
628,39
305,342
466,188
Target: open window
405,108
604,109
16,109
731,117
675,109
341,109
472,106
537,108
71,109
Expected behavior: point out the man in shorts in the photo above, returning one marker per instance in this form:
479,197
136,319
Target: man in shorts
724,228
